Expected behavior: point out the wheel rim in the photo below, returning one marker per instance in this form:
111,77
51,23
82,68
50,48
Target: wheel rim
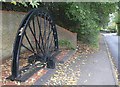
36,38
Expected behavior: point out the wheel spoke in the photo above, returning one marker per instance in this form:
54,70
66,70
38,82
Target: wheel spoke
35,39
51,42
33,21
27,48
40,34
39,25
48,38
31,31
48,34
29,41
44,35
50,31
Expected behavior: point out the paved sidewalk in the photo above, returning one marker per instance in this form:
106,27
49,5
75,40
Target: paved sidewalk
96,68
87,69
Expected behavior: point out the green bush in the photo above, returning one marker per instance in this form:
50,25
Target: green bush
118,30
66,44
118,21
33,3
85,21
84,18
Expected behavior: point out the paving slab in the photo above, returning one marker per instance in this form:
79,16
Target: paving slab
96,68
42,80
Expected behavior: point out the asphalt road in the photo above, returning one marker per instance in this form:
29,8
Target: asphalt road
113,42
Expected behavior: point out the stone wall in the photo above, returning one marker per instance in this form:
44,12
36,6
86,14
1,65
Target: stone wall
10,24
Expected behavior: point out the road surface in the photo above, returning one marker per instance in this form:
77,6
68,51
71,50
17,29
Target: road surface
113,42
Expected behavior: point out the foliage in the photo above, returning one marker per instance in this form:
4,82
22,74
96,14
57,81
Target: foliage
118,26
66,43
118,30
84,18
115,18
33,3
118,21
87,18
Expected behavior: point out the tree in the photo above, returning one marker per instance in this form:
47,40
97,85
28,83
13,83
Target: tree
84,18
118,21
87,18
